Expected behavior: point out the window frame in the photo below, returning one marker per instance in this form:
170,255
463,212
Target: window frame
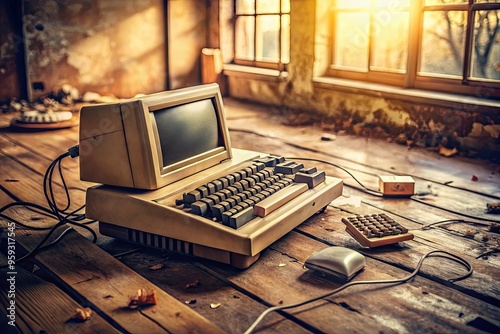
466,84
280,65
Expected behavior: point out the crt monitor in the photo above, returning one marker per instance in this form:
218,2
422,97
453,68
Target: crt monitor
153,140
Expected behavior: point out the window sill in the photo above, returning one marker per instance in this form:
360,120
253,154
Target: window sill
257,73
463,102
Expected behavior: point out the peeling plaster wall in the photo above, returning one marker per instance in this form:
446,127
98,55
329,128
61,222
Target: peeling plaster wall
9,42
110,47
362,114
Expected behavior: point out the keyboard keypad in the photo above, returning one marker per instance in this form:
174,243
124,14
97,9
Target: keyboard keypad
376,230
233,200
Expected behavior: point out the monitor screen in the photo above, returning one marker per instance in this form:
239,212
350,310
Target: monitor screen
187,130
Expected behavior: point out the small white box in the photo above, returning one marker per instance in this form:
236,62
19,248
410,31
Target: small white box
391,185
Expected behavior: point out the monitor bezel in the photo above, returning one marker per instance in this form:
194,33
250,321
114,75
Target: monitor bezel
145,150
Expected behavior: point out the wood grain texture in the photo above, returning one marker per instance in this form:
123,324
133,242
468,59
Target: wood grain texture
41,306
428,303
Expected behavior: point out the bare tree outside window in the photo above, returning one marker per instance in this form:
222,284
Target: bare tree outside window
417,43
486,56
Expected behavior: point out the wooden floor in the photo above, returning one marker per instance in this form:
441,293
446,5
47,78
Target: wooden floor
200,296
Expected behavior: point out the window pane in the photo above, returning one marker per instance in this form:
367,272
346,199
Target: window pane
268,6
486,45
353,4
443,40
351,40
268,37
285,6
245,6
390,42
244,39
285,39
391,4
440,2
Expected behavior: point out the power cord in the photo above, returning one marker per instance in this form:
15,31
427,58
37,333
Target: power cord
61,214
444,254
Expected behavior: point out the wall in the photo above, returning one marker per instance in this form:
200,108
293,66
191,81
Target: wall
10,43
112,47
187,36
456,125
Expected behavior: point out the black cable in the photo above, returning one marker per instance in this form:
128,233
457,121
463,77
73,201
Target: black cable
364,188
445,254
428,226
63,217
378,193
371,191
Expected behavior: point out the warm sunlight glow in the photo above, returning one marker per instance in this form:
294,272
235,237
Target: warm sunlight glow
382,25
387,4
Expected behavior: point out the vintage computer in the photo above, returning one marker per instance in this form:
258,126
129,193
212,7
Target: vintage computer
169,178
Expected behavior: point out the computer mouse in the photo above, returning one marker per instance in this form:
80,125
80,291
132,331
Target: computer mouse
339,262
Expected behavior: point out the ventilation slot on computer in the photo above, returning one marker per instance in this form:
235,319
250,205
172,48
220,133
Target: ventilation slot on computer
158,241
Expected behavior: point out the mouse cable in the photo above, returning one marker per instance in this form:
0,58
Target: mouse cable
435,253
366,189
429,226
378,193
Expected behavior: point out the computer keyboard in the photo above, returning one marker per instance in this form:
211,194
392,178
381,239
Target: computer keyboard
256,190
228,213
376,230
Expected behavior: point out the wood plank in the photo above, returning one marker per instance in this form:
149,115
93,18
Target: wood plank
40,306
181,277
359,309
106,284
482,284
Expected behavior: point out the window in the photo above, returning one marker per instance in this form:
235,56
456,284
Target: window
446,45
262,33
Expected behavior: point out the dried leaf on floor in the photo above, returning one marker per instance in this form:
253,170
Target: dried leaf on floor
448,152
215,305
143,298
82,314
157,266
191,285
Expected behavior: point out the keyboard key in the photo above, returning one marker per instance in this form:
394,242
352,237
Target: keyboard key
259,166
239,219
236,176
288,167
191,197
283,196
203,191
199,208
310,170
311,179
